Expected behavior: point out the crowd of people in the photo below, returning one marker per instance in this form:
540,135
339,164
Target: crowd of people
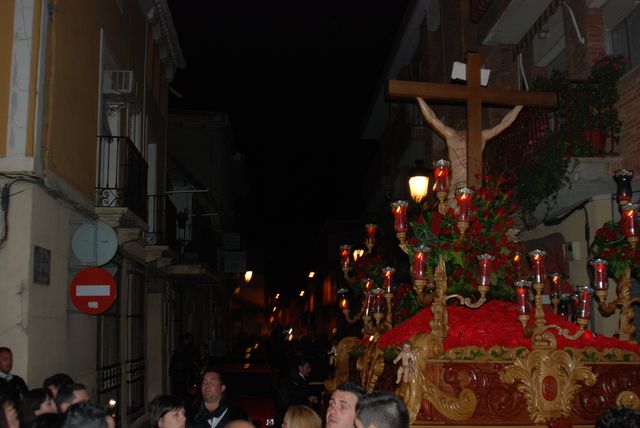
62,403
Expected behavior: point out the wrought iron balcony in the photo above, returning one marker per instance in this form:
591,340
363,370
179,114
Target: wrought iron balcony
163,220
581,127
122,175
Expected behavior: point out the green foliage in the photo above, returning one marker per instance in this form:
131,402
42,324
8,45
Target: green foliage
610,244
487,233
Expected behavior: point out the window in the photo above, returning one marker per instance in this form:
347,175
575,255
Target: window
624,34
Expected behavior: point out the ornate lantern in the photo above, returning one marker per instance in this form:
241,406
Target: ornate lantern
537,258
370,242
623,181
400,220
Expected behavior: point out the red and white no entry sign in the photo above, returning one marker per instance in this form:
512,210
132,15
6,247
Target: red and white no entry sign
93,290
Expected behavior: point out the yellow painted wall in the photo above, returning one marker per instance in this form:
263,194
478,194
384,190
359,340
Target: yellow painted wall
597,213
73,76
6,41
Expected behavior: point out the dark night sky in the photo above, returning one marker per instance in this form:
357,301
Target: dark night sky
296,79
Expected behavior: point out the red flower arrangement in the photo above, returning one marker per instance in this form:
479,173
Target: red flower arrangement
490,221
494,323
610,244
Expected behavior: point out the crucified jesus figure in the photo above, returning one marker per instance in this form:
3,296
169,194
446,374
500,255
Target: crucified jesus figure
457,140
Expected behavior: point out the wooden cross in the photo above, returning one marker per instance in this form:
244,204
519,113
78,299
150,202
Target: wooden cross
474,96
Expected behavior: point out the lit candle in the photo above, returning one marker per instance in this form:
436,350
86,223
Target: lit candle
584,302
599,274
420,262
345,256
343,301
554,283
522,297
537,264
485,267
441,174
371,234
388,272
517,259
629,219
399,211
464,195
623,180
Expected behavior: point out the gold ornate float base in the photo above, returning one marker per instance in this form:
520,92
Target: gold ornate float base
502,387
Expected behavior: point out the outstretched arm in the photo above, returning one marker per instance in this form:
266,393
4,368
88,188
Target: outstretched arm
506,122
432,120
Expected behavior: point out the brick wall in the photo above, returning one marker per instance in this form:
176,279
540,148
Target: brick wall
629,111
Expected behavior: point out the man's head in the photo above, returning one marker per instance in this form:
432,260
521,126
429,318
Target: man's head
55,382
212,386
70,394
304,367
86,415
341,412
382,410
239,423
6,359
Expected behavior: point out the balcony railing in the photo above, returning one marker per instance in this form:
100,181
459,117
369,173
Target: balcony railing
122,175
163,221
579,127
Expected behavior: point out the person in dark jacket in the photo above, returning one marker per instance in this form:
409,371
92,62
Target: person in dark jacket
212,410
10,384
294,389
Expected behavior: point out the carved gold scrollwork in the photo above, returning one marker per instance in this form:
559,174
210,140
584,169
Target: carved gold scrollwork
548,379
628,399
370,365
457,408
343,351
421,387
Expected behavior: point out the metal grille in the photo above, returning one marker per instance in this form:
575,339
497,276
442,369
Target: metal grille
135,343
109,368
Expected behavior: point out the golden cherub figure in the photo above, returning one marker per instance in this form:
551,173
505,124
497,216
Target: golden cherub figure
408,360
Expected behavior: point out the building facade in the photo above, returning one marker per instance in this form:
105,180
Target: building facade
83,127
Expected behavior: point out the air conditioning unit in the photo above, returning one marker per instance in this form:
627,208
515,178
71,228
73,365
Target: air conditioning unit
119,85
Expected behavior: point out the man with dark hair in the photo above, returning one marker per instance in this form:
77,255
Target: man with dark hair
381,410
619,417
341,412
10,384
70,394
213,410
294,389
55,382
86,415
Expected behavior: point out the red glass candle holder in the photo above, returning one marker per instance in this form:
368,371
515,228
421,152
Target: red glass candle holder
629,219
441,169
537,258
623,181
554,285
345,256
371,234
522,297
377,300
485,267
464,196
367,304
600,282
420,262
399,211
388,273
584,302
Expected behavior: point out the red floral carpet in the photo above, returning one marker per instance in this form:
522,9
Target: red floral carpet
494,323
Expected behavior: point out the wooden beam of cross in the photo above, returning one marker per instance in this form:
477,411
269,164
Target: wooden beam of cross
474,96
